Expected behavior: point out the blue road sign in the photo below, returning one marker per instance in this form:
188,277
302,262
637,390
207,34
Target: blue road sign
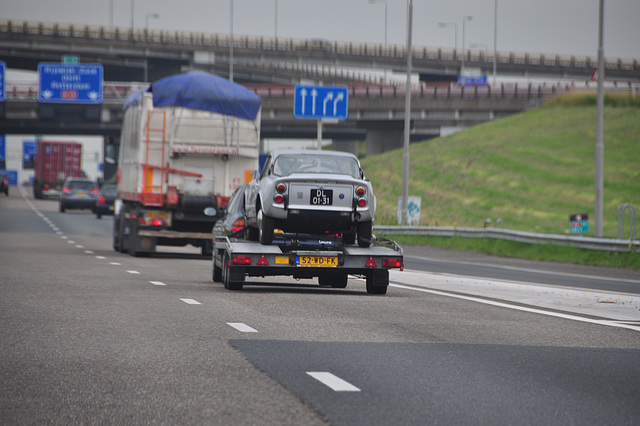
3,71
70,83
321,102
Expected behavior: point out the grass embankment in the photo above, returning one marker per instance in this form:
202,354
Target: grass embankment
532,170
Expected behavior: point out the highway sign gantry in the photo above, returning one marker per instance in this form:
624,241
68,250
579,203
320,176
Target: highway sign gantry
70,83
317,102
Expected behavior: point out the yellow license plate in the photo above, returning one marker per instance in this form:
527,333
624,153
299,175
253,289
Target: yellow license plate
81,194
156,215
322,261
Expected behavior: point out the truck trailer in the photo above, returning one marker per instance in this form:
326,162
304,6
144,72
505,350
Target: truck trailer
187,142
55,161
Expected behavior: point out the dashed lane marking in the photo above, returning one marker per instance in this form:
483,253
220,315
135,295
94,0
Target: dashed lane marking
333,381
191,302
240,326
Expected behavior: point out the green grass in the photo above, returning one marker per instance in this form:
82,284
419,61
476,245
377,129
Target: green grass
532,170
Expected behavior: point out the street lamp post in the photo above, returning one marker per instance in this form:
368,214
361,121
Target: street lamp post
150,15
231,42
385,17
407,119
146,61
599,151
276,20
495,41
464,26
131,16
455,31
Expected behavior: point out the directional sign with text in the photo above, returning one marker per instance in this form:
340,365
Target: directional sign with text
3,69
321,102
70,83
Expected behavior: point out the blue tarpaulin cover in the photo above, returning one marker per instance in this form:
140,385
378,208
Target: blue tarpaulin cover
204,91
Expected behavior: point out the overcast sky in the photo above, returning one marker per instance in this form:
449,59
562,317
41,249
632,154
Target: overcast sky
535,26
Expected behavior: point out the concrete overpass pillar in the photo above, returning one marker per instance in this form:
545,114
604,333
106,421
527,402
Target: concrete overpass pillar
383,140
346,146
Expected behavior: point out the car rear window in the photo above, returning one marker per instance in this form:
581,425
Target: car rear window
82,185
111,192
287,164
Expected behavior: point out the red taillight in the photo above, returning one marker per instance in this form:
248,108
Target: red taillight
151,222
360,191
241,260
281,188
102,199
95,191
370,263
391,263
362,202
278,198
66,189
238,225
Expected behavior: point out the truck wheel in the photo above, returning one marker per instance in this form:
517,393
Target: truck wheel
116,234
226,275
364,233
378,281
217,272
207,248
266,224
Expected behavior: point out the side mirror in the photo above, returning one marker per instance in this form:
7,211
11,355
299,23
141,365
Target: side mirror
210,211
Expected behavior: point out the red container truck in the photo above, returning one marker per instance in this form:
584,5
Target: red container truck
54,162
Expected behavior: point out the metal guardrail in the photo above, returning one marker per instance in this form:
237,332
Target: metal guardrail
591,243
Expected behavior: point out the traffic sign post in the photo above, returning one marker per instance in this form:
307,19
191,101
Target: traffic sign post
70,83
317,102
579,223
3,70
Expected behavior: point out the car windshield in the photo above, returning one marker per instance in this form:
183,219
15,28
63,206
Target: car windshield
295,163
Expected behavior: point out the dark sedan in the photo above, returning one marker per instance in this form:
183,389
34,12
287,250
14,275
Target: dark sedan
106,200
78,193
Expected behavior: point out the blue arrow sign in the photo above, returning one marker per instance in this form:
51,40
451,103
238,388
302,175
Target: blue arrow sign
70,83
3,93
321,102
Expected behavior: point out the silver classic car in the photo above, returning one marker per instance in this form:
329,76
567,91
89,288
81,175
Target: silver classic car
311,192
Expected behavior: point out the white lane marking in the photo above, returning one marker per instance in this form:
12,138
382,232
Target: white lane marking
333,381
60,233
520,308
100,257
157,283
240,326
64,237
79,246
191,302
115,263
132,272
535,271
71,241
88,251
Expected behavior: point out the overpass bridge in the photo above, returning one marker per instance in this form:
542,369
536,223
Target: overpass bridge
142,55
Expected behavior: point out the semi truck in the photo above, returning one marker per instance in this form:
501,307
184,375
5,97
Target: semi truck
187,142
54,162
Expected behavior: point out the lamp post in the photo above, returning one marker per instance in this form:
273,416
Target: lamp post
464,26
407,119
495,41
131,16
231,42
111,13
385,27
150,15
599,154
455,31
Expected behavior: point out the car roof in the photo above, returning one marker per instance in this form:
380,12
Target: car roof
314,153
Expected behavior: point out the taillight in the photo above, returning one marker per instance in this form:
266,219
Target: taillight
362,202
241,260
95,191
66,189
151,222
102,199
360,191
391,263
237,225
281,188
278,198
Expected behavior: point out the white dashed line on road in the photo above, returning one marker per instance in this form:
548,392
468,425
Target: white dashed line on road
115,263
240,326
157,283
333,381
191,302
132,272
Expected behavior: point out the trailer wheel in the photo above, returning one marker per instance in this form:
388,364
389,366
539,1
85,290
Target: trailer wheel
226,275
377,281
217,272
116,234
364,233
333,280
207,248
266,224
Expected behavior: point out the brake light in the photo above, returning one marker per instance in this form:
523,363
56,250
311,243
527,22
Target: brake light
151,222
281,188
241,260
66,189
278,198
391,263
237,225
102,199
360,191
362,202
95,191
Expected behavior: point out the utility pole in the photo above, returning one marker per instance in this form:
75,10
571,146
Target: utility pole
599,178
